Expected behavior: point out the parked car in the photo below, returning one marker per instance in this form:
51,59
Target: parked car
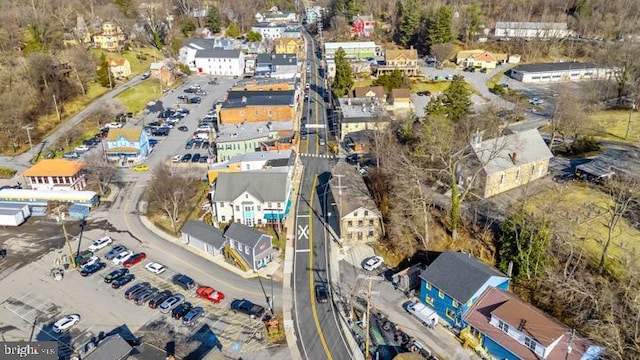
188,145
114,125
183,128
171,303
115,251
184,98
100,244
204,159
195,158
136,289
145,296
71,155
159,298
92,269
373,263
186,157
91,142
209,293
424,93
184,281
155,268
115,274
197,144
247,307
134,259
195,100
145,76
90,261
206,144
81,148
322,296
122,281
140,168
122,257
65,323
192,316
181,310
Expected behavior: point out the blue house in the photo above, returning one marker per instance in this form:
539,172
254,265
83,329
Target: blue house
454,281
127,146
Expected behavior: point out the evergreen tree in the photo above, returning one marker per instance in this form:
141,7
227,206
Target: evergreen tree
213,20
343,80
440,26
395,80
105,78
454,103
474,19
410,15
233,31
254,36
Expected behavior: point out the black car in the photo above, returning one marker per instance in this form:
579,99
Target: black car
195,100
181,310
135,290
145,296
159,298
186,157
197,144
183,98
247,307
188,145
115,251
190,90
122,281
195,158
183,128
205,145
184,281
154,124
92,269
203,159
115,274
322,296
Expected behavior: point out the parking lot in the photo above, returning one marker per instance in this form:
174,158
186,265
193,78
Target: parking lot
32,300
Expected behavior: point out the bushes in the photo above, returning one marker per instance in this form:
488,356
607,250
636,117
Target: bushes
584,145
7,173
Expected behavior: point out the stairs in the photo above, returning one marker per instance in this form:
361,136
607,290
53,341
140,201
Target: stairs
232,256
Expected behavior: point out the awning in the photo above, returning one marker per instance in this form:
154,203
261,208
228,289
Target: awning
278,216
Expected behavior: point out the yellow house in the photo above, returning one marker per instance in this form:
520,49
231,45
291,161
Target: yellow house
400,101
111,38
405,60
479,58
289,46
119,67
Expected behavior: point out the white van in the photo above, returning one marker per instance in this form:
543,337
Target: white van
425,314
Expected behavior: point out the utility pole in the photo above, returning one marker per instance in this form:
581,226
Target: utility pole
55,103
61,218
573,334
626,135
339,187
29,128
368,315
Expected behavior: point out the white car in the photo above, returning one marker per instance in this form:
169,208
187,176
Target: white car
92,260
203,127
81,148
114,125
122,257
100,244
66,322
176,158
373,263
155,268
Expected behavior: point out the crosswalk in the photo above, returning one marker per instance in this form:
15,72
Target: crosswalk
326,156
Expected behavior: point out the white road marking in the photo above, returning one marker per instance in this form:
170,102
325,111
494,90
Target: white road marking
303,232
303,250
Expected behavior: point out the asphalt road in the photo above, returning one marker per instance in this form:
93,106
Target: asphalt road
319,333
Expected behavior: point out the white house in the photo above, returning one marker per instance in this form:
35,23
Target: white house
539,30
275,16
271,30
219,62
251,198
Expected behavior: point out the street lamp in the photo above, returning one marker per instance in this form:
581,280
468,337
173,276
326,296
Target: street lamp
29,128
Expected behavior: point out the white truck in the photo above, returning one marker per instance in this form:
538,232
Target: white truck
425,314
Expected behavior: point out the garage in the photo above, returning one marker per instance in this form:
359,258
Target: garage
559,72
203,237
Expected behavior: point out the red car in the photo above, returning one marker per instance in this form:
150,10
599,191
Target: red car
134,259
208,293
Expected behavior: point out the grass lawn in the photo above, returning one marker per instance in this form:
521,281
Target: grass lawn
582,211
495,78
362,82
432,86
135,98
137,66
612,125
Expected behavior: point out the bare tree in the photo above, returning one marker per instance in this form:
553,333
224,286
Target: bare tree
568,117
106,111
170,191
100,172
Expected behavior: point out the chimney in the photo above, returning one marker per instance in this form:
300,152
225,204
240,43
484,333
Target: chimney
514,157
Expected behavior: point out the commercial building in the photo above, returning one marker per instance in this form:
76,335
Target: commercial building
528,30
258,106
560,71
354,50
244,138
56,174
358,114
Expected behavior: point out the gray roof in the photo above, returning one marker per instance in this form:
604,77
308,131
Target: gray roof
113,347
204,232
265,186
259,98
362,109
557,66
277,59
459,275
355,194
531,25
218,53
239,94
264,155
249,130
612,161
513,150
199,43
244,234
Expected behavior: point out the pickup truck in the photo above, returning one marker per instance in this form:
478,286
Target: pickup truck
247,307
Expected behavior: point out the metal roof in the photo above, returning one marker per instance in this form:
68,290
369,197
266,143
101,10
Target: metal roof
265,186
557,66
204,232
218,53
531,25
244,234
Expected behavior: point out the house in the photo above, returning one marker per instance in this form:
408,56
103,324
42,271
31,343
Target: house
127,146
264,84
400,102
253,198
257,106
278,66
112,38
314,14
187,53
538,30
358,114
479,59
253,48
502,326
558,72
360,142
276,160
404,60
219,62
120,68
269,31
277,17
370,92
353,50
239,139
362,26
454,281
203,237
360,220
292,32
508,161
166,71
56,174
248,248
111,347
289,46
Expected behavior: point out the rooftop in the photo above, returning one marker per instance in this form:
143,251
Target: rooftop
239,99
262,156
409,54
358,109
400,93
129,134
277,59
377,91
355,194
350,45
204,232
244,234
54,167
218,53
530,25
557,66
112,347
509,151
459,275
265,186
249,130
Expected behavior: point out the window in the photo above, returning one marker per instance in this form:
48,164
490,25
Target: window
533,170
237,207
518,175
429,300
259,208
366,213
427,286
455,304
503,326
450,314
370,222
355,214
246,250
270,205
370,233
440,294
223,218
502,178
530,343
279,205
360,223
349,223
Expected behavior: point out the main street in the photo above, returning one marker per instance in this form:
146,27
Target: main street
319,331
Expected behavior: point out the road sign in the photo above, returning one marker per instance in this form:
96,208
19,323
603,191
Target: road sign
303,232
314,126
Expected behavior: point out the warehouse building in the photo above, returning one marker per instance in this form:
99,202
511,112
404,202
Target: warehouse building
559,72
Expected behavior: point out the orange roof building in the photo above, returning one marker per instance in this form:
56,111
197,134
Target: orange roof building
56,174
